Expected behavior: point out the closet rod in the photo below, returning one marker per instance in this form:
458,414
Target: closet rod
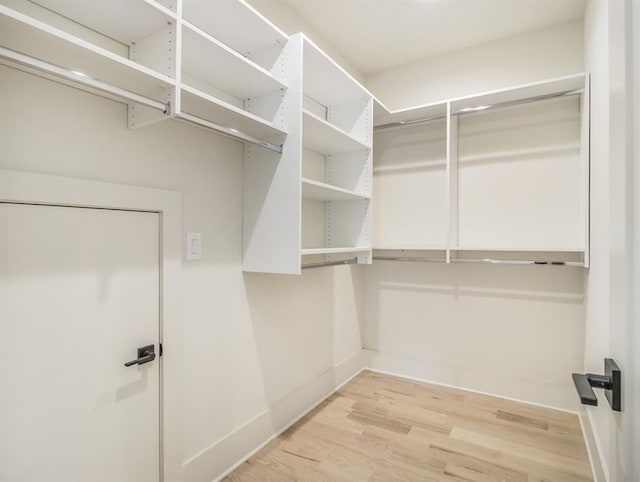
518,262
228,132
79,78
469,110
480,261
409,258
330,263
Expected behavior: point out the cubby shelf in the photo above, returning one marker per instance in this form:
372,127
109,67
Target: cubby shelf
208,107
325,81
356,249
126,21
321,191
249,33
39,40
320,136
211,61
317,194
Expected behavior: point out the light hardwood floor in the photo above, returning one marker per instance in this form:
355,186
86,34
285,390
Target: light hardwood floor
382,428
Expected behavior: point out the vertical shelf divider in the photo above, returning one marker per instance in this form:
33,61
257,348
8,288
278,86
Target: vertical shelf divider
585,133
452,181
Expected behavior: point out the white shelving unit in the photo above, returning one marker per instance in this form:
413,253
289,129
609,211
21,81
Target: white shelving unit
312,205
98,51
210,72
513,186
306,124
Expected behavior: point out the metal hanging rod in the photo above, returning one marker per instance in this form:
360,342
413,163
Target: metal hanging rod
228,132
409,258
408,123
80,78
511,103
470,110
330,263
480,261
518,262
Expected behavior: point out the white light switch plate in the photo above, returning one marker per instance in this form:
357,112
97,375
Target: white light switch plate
194,246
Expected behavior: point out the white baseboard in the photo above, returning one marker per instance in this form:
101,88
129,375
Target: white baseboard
416,370
222,457
592,441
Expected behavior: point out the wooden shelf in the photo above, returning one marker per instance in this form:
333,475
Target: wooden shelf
325,81
210,108
32,37
126,21
310,251
209,60
320,191
248,33
320,136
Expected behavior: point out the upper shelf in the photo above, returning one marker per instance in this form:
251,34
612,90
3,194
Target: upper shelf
322,137
37,39
384,116
248,33
321,191
126,21
325,81
209,60
521,92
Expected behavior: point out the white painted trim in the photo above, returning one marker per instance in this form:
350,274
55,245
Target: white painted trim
16,186
249,438
593,446
599,450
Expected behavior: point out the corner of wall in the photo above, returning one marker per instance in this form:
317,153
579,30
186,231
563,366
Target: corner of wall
225,455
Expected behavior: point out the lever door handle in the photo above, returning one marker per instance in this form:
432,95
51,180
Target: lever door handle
146,354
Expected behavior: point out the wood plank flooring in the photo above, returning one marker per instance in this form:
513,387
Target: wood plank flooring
383,428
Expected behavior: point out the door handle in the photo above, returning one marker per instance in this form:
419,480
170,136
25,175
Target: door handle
146,354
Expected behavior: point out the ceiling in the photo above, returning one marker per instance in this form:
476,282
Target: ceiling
375,35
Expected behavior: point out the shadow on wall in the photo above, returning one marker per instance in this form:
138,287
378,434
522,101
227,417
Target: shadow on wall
516,331
304,327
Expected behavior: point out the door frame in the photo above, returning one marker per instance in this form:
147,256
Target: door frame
31,188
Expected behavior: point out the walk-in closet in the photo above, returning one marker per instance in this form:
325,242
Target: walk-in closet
304,240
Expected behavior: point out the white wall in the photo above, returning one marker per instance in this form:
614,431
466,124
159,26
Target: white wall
259,349
530,57
516,331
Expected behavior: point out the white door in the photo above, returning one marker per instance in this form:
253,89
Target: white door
79,294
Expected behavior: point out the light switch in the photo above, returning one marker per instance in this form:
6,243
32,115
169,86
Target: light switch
194,246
